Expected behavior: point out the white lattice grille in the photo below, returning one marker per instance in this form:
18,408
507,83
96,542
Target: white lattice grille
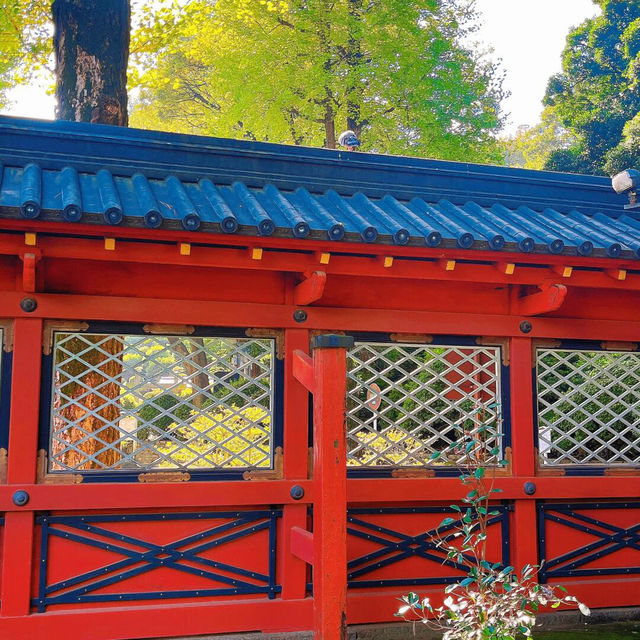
588,406
406,401
131,402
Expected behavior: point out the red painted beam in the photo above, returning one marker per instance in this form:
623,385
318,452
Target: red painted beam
387,490
161,495
196,495
65,230
311,288
288,258
549,299
165,620
301,544
303,370
245,314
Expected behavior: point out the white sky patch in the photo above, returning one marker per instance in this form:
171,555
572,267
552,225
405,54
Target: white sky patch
528,36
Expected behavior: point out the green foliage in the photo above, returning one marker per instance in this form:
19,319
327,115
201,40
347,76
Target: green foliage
394,71
160,413
233,431
493,601
25,41
531,147
596,96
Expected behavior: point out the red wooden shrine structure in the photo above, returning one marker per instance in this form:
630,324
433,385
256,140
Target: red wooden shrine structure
182,319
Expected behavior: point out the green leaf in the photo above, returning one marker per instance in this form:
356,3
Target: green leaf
479,473
446,522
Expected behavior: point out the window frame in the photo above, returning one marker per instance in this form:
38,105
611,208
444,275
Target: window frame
138,329
443,340
575,469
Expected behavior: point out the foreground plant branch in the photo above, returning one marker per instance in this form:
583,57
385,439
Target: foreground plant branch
493,601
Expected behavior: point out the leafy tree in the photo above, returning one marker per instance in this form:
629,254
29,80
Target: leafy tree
25,41
596,96
531,147
394,71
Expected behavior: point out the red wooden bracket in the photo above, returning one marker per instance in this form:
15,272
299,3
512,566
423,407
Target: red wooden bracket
303,369
302,544
311,288
550,298
29,261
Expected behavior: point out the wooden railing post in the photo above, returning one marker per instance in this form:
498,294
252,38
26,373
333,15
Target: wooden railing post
330,487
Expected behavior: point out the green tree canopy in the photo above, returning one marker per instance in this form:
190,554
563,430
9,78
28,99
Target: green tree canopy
395,71
596,96
25,41
531,147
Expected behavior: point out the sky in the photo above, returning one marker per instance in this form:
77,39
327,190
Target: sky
528,36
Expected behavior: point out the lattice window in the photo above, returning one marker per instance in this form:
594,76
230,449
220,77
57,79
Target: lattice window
406,401
140,402
588,407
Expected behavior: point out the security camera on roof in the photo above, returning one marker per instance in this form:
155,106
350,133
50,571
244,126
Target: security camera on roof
349,139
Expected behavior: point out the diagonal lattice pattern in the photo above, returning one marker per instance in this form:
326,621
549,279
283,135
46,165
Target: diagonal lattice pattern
405,401
588,406
133,403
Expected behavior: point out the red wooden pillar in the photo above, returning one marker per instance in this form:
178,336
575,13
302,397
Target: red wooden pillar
296,456
525,549
17,550
330,487
325,375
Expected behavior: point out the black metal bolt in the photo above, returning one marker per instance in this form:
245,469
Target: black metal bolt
20,498
299,315
297,492
529,488
28,304
526,326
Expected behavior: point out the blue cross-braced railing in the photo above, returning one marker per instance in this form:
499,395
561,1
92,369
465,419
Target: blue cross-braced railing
396,546
140,556
588,559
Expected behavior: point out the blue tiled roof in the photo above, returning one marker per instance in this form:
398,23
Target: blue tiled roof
52,171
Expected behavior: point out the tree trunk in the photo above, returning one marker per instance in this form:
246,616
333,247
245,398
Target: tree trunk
354,56
91,43
329,129
87,412
195,363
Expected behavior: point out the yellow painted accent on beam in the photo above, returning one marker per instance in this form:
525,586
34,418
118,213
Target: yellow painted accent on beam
30,239
509,268
622,274
450,265
110,244
185,249
567,271
388,261
324,258
256,253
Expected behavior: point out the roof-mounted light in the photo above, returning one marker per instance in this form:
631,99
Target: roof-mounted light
627,181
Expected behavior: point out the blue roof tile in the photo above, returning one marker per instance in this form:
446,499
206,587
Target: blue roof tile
503,217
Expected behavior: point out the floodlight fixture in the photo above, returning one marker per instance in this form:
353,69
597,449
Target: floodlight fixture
627,181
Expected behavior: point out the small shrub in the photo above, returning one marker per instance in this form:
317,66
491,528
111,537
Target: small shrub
492,602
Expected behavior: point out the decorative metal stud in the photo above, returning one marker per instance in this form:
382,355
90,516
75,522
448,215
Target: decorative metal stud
526,326
299,315
529,488
20,498
297,492
28,305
